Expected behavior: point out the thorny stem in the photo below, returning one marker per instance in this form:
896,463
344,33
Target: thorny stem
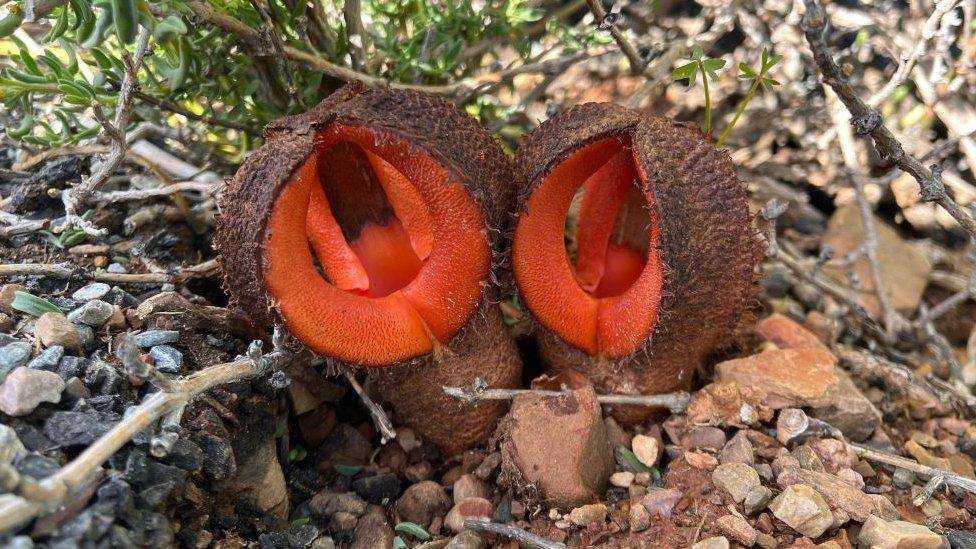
738,111
17,510
868,121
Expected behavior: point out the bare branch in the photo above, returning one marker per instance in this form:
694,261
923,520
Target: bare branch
527,539
676,402
380,419
608,21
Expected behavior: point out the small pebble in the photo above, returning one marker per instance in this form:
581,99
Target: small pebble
646,449
95,290
48,359
11,448
622,479
55,329
903,478
115,268
585,515
24,389
86,334
93,313
151,338
168,360
13,355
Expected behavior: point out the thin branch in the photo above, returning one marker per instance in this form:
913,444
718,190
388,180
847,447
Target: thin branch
929,29
608,21
352,12
868,121
59,486
68,271
142,194
676,402
380,419
78,196
527,539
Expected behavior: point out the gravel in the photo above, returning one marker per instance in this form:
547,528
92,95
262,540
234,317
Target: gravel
95,290
93,313
48,359
151,338
168,359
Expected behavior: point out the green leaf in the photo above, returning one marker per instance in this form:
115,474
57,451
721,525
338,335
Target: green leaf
696,53
297,454
347,470
713,65
635,464
686,71
747,71
412,529
302,521
33,305
771,62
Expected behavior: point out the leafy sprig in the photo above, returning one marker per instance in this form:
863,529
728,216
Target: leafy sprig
759,79
708,67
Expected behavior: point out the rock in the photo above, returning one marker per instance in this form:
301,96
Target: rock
94,290
558,445
647,449
786,334
704,438
838,493
470,486
151,338
803,509
790,377
309,389
639,518
325,504
807,458
77,428
737,450
833,453
488,466
7,292
727,404
622,479
468,508
24,389
736,478
961,539
86,334
701,460
11,448
585,515
422,502
13,355
259,480
898,534
903,265
55,329
756,500
466,539
661,501
925,458
93,313
738,529
377,488
103,379
168,359
849,410
717,542
852,477
372,530
48,359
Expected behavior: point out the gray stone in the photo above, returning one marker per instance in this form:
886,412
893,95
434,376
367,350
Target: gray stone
151,338
736,478
93,313
897,533
466,539
756,500
13,355
76,428
115,268
85,334
48,359
24,389
168,359
11,448
903,478
95,290
717,542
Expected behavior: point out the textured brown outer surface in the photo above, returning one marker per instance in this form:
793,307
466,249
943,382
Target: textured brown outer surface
708,246
435,127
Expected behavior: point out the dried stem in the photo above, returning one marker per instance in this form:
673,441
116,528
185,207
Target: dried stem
59,486
868,121
80,195
676,402
380,419
67,271
527,539
626,46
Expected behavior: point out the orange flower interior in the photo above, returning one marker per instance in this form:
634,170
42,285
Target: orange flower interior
400,250
602,294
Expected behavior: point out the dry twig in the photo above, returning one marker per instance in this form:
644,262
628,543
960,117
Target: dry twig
676,402
524,538
68,271
48,494
380,419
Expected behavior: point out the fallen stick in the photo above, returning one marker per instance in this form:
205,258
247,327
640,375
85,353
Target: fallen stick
513,532
676,402
65,270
